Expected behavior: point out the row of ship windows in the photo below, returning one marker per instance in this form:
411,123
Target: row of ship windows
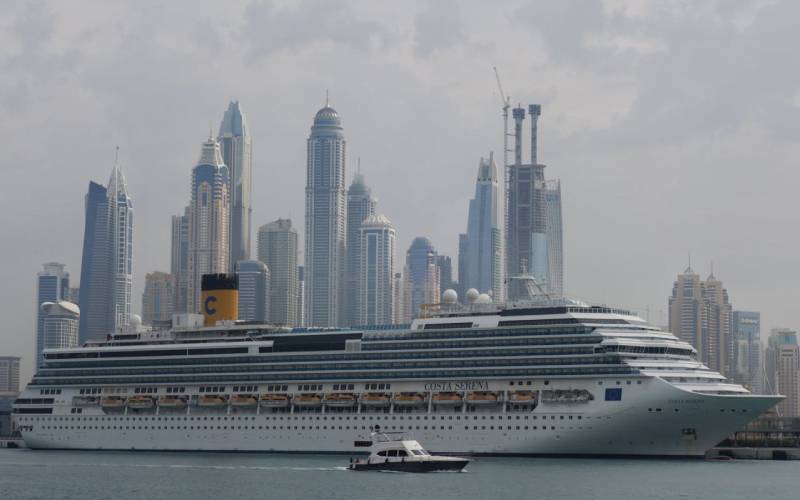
302,418
296,427
485,332
380,343
449,351
267,368
415,374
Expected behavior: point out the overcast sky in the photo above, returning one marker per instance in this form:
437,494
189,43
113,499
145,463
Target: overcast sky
672,125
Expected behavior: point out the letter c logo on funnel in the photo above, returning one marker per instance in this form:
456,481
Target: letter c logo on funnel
210,310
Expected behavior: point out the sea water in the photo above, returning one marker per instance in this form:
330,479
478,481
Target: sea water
87,475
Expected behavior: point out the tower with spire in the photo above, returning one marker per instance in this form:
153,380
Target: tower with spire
325,220
209,219
107,260
700,313
237,154
121,245
483,249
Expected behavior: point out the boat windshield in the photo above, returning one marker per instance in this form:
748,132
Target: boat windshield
420,453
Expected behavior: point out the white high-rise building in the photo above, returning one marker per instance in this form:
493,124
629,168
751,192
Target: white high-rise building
208,221
237,153
277,248
52,285
326,218
782,366
254,285
376,287
360,205
61,321
120,208
555,239
482,264
179,263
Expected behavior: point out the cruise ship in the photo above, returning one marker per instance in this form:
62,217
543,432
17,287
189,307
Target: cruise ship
556,377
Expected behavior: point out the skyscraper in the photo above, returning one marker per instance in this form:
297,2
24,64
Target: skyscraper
179,262
9,375
377,248
746,334
301,296
700,313
277,248
526,218
120,207
95,322
208,221
325,219
555,245
421,278
157,305
783,370
686,308
237,153
444,266
107,262
61,320
718,345
52,285
483,246
254,285
360,205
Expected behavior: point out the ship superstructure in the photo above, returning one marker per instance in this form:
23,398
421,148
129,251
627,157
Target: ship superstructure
559,377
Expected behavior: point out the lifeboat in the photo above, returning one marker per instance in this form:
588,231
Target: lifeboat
274,400
482,398
212,401
170,402
375,399
140,402
521,397
340,400
308,400
409,399
447,399
85,400
113,403
244,401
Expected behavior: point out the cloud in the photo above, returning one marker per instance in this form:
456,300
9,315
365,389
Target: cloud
438,27
268,28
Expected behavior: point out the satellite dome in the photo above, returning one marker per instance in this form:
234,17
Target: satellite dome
135,320
449,296
471,295
484,298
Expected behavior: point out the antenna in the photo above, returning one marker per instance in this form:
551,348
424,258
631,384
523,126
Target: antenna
326,98
358,168
116,156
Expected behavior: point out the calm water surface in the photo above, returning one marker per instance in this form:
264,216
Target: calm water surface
26,474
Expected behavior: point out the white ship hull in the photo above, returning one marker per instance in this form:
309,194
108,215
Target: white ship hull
652,419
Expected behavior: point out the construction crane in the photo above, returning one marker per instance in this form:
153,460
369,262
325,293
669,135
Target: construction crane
506,173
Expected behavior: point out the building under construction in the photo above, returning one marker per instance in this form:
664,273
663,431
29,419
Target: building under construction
531,235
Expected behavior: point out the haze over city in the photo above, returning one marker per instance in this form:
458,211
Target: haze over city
670,128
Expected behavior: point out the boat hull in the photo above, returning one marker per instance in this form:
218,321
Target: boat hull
452,465
630,427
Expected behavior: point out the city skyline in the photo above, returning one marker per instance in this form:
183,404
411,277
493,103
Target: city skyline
605,134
